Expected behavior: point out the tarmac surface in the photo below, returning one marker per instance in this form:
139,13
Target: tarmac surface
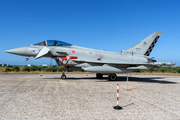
80,97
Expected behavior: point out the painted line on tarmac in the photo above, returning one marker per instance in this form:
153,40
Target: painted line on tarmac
151,103
16,88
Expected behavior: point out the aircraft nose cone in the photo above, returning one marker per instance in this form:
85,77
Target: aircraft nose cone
19,51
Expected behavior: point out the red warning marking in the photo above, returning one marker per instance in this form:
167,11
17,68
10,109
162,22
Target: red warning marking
63,57
66,63
72,57
98,59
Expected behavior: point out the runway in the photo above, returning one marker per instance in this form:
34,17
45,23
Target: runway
81,96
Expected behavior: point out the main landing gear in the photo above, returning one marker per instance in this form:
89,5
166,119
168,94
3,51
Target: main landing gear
112,77
99,75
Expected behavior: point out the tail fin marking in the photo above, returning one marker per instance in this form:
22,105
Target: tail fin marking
146,46
151,46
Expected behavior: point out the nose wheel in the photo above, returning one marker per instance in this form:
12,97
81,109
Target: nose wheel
63,76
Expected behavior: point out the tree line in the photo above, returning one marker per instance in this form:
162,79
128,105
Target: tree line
34,68
61,68
162,69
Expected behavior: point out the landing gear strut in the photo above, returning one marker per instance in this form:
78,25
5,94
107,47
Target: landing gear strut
99,75
112,77
63,76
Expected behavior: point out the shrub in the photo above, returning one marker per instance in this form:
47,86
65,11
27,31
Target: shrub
169,69
26,68
178,70
53,68
47,69
39,68
43,68
142,70
162,69
7,69
151,70
156,69
60,69
33,68
15,68
173,71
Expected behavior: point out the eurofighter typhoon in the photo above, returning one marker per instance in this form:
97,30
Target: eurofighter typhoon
97,61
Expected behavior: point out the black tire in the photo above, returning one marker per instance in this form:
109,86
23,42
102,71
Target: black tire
112,77
99,75
63,77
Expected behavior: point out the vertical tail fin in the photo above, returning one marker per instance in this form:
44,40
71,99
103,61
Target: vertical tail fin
145,46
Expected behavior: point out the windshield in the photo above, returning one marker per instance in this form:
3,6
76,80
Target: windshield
53,43
41,43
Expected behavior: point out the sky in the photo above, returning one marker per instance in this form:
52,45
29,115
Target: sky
111,25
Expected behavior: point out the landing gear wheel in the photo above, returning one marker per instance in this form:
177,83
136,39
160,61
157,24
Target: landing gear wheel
99,75
112,77
63,77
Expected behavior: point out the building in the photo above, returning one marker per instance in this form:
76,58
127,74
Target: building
3,64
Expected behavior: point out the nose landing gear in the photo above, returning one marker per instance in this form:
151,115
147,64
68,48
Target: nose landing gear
63,76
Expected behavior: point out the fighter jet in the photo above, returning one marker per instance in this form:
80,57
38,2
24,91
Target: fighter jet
97,61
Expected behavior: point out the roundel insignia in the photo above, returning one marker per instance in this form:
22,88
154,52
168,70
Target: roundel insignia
73,51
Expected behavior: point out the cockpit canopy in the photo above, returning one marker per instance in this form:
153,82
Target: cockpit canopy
52,43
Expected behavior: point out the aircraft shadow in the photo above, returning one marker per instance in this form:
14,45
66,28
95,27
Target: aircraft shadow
75,78
122,79
137,79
